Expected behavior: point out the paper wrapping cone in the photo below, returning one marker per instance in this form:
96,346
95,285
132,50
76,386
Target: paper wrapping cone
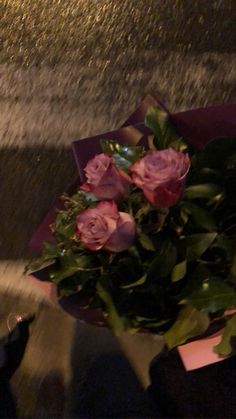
196,126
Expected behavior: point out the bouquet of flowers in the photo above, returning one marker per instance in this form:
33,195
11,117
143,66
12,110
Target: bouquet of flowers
150,237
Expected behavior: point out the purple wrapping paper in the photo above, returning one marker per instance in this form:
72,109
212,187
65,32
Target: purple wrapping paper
196,126
201,125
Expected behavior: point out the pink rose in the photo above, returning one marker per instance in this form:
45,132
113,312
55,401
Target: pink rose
105,179
103,227
161,175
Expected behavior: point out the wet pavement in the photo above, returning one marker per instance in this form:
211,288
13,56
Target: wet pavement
55,32
73,68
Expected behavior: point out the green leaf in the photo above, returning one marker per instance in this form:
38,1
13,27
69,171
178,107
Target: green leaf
49,254
179,271
150,323
164,261
137,283
38,264
164,133
66,288
202,175
143,211
205,191
126,269
69,265
150,140
145,241
50,250
189,324
64,225
184,216
124,155
213,295
201,217
155,118
224,243
178,145
114,320
224,348
78,202
197,244
216,153
195,279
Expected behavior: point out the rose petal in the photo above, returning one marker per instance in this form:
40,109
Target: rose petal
108,208
123,237
105,179
96,225
96,167
162,197
85,187
161,175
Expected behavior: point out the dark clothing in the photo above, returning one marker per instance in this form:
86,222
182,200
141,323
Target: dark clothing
13,348
208,392
7,402
111,390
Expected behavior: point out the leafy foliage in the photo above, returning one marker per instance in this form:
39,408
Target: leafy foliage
213,295
164,133
180,273
225,347
124,155
190,323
